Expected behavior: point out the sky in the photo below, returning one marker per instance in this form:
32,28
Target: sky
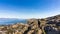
29,8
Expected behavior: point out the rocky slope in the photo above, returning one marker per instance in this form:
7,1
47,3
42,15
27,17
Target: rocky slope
50,25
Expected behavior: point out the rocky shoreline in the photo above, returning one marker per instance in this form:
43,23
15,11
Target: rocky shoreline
50,25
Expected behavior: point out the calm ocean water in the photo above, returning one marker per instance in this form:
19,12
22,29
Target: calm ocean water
7,21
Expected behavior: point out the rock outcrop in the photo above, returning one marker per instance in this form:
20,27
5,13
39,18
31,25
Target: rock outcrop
50,25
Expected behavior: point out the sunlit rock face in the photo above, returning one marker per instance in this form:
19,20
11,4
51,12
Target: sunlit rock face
50,25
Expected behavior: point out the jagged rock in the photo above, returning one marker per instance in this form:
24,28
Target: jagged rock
50,25
30,32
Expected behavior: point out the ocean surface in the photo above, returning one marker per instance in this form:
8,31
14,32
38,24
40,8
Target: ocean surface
7,21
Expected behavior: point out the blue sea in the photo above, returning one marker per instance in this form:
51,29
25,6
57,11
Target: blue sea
7,21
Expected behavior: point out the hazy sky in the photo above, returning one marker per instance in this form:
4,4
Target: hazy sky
29,8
